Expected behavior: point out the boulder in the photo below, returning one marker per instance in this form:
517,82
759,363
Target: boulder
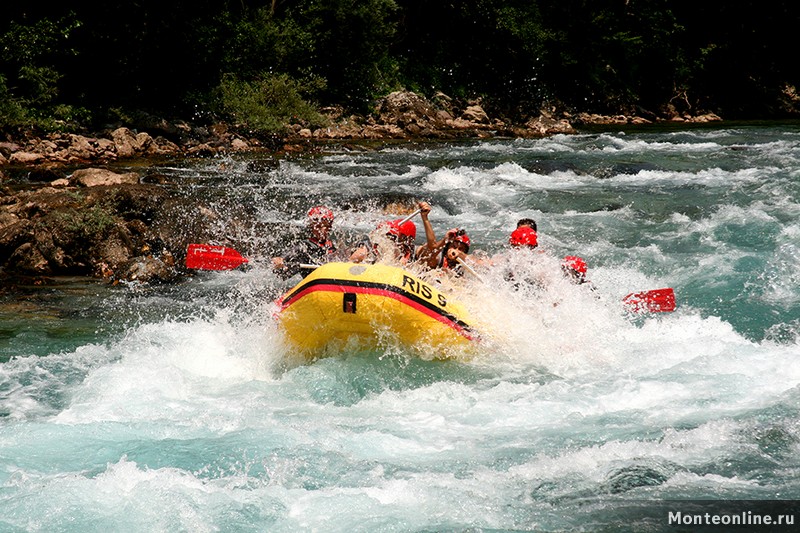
165,146
79,148
475,114
105,230
239,145
13,234
148,269
127,142
7,219
27,259
93,177
403,108
8,148
545,124
26,158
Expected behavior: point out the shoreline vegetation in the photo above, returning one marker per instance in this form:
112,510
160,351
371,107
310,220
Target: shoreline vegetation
63,211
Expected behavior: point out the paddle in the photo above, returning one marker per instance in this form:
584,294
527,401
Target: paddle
409,217
211,257
470,269
655,301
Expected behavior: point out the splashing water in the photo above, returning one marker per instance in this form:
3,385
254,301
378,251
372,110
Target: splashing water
181,409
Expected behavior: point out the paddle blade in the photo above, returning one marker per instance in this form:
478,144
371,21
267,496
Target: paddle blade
655,301
209,257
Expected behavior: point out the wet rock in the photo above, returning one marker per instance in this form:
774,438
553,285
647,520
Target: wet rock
102,229
26,158
7,219
27,259
148,269
239,145
93,177
14,234
126,142
80,148
8,148
202,150
406,108
476,114
546,124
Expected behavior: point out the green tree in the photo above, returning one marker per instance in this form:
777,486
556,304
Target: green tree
265,105
491,48
28,75
351,43
609,55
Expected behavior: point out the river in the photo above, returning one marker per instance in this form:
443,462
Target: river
177,408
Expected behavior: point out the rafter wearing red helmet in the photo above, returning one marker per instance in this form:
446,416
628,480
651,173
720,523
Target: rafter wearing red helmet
316,248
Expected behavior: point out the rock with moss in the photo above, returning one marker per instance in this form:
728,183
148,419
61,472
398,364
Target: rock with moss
117,231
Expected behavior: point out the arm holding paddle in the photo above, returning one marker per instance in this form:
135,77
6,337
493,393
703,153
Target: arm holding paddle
428,253
395,237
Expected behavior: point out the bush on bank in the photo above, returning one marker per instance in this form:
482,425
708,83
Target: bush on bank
267,105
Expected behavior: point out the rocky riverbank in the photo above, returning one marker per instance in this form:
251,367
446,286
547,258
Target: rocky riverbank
399,116
76,217
99,224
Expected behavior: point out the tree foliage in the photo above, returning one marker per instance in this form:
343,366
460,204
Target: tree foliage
265,105
60,63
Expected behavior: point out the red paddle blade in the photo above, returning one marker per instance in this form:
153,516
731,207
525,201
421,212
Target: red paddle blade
655,301
209,257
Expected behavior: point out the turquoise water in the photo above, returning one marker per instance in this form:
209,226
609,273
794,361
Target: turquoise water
179,409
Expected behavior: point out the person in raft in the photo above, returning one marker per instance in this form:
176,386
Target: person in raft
454,249
455,256
529,222
392,240
524,237
444,253
574,268
316,248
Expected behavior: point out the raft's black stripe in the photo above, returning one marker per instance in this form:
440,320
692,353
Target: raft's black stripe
383,286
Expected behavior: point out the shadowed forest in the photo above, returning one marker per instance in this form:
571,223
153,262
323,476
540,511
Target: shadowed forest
263,65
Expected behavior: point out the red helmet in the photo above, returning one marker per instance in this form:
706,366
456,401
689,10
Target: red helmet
320,212
406,229
575,263
524,236
462,238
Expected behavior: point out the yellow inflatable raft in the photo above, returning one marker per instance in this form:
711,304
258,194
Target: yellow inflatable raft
372,305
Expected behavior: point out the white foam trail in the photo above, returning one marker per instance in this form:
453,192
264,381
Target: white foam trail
167,369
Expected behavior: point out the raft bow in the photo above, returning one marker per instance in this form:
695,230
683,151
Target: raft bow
372,305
